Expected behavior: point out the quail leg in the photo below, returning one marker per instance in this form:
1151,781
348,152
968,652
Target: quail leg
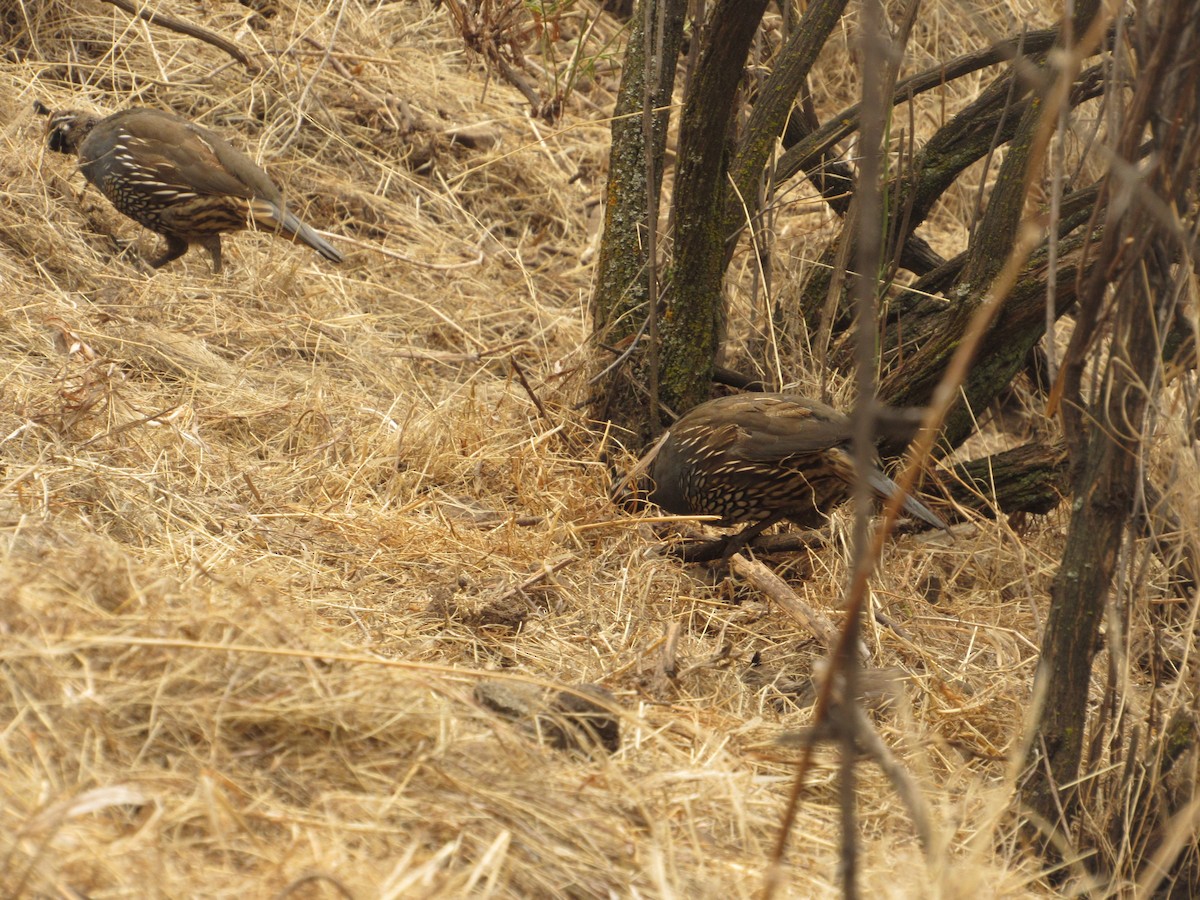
176,247
213,246
738,542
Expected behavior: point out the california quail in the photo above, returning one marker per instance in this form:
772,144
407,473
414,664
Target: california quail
756,459
178,179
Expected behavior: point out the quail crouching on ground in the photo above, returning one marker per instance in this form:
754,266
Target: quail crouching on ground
756,459
176,178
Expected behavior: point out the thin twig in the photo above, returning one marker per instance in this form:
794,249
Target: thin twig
541,575
778,591
182,27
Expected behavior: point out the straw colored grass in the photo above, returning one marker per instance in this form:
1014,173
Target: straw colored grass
262,534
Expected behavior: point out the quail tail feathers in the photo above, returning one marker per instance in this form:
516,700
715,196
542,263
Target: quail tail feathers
885,488
267,215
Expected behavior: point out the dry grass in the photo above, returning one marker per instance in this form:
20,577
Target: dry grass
262,534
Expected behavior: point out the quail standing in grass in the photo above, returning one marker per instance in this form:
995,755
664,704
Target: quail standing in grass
756,459
177,178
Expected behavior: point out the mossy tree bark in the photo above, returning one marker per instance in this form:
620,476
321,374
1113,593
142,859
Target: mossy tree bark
693,305
621,297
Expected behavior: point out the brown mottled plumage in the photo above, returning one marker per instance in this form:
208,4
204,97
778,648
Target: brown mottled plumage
756,459
178,179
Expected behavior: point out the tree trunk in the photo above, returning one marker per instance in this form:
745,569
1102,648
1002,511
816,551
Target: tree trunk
694,305
620,300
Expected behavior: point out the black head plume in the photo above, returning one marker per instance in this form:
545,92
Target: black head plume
66,128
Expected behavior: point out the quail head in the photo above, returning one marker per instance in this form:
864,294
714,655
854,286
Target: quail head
178,179
756,459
